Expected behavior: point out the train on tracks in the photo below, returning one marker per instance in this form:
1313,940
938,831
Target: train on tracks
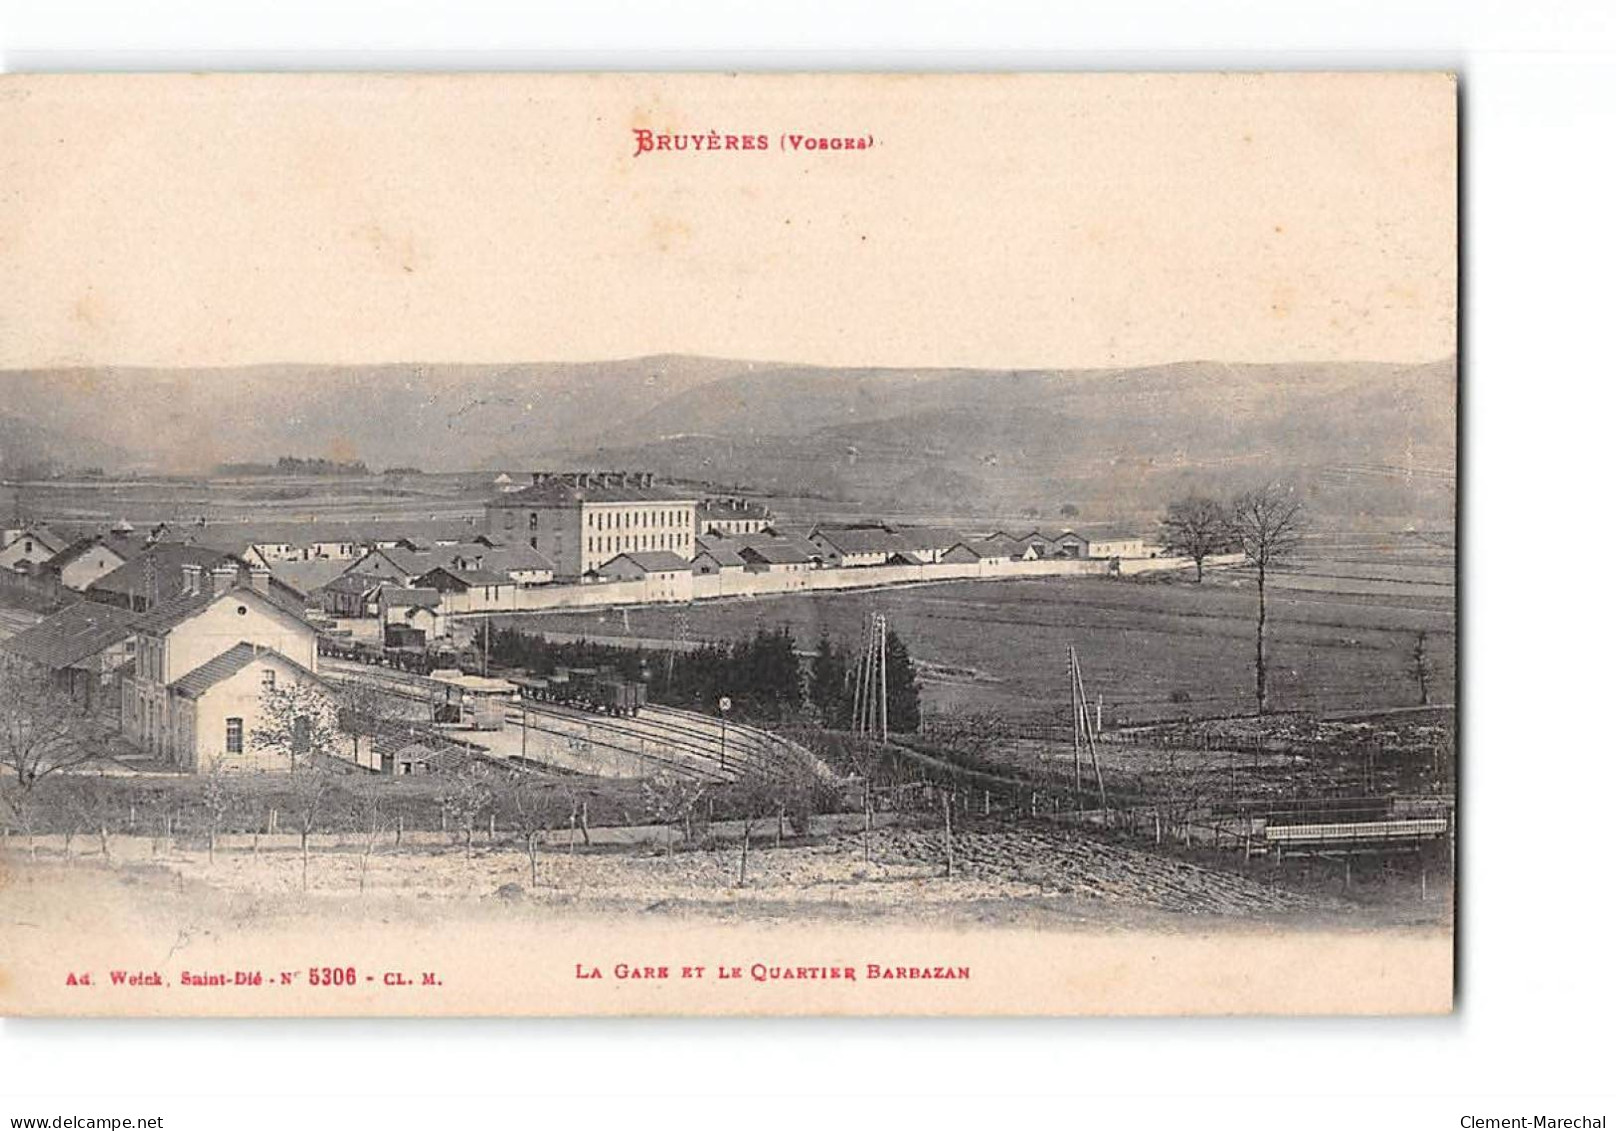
414,659
599,690
585,689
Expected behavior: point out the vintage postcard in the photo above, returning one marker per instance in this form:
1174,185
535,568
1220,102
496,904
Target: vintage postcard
714,544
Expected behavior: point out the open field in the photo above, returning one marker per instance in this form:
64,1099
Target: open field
1154,648
1044,875
243,503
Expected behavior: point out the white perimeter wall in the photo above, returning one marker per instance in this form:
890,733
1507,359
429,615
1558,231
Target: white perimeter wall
732,583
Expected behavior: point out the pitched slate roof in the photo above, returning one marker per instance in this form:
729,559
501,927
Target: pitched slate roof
982,549
179,609
653,561
928,537
80,546
306,577
866,540
1107,534
74,634
355,583
499,559
53,540
780,552
468,577
166,560
196,682
722,554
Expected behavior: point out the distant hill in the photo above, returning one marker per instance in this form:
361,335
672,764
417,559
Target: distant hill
29,449
1370,442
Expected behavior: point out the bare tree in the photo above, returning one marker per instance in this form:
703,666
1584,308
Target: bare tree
43,731
754,798
1196,527
1267,525
537,805
299,724
367,710
97,809
369,817
466,794
672,801
219,800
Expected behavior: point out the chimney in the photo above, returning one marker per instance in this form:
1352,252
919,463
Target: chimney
260,579
224,576
190,578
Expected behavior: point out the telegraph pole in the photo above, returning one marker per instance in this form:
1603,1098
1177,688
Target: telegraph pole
1077,725
881,632
1094,753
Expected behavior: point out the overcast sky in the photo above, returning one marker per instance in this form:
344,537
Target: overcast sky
1008,221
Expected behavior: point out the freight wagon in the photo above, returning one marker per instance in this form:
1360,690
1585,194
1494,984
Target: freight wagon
586,689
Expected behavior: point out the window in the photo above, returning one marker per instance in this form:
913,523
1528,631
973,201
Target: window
269,679
532,520
232,736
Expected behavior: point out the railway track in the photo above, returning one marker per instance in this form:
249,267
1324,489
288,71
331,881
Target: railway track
658,739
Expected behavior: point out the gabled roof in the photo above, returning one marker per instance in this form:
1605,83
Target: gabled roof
196,682
166,560
72,635
982,549
177,610
53,540
499,559
81,546
355,583
776,552
720,553
867,540
653,561
928,537
1107,534
306,577
466,577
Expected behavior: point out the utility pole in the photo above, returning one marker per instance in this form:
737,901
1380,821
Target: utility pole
1094,753
881,631
1077,725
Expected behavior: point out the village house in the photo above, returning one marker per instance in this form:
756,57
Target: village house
352,596
79,651
927,543
195,693
467,590
522,564
157,574
714,557
416,610
852,547
667,576
85,561
1013,549
31,546
778,557
581,520
977,553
